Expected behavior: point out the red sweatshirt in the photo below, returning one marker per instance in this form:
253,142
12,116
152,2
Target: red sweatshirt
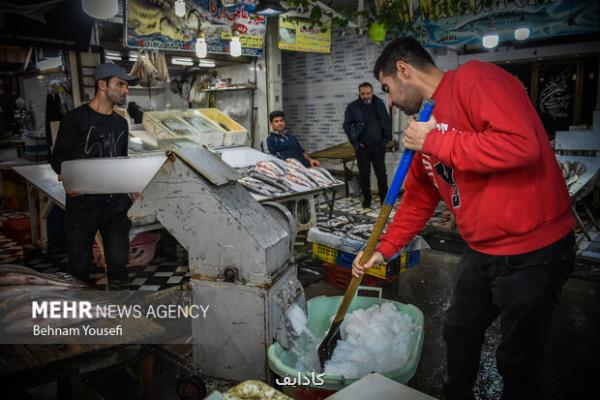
490,160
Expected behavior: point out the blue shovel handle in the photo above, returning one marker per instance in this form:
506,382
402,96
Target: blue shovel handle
325,349
407,156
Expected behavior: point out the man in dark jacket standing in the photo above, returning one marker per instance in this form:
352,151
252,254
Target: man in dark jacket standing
369,129
93,130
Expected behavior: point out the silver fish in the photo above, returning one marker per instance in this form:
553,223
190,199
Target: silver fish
301,179
326,174
276,168
295,163
270,181
259,187
11,278
26,271
19,294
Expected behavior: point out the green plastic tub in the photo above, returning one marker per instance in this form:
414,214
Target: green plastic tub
320,312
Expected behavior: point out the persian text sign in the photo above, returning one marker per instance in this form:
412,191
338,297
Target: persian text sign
296,34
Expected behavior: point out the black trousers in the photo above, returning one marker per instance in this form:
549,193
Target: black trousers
522,291
365,156
87,214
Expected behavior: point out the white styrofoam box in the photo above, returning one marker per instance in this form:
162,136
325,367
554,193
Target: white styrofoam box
377,387
110,175
235,139
239,157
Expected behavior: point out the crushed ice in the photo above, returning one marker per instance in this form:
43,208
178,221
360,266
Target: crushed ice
376,339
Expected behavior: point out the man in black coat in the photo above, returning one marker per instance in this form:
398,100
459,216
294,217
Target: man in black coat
369,129
94,130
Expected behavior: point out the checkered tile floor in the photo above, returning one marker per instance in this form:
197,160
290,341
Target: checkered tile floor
164,271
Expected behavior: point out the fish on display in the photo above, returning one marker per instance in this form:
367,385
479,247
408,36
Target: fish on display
278,177
275,182
259,187
19,275
319,176
325,173
293,163
272,166
300,179
268,172
11,296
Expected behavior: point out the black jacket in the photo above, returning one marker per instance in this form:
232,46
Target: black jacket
84,133
354,121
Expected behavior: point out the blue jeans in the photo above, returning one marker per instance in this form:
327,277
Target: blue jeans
522,291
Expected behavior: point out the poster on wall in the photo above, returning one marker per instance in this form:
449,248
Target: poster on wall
457,23
296,34
555,94
154,25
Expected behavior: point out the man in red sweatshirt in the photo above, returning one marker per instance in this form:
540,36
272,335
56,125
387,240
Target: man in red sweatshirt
485,153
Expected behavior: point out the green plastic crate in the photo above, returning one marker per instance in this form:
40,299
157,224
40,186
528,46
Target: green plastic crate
320,312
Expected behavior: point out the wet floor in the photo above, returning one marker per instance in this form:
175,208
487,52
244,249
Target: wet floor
574,358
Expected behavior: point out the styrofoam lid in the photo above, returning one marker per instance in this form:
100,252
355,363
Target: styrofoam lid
110,175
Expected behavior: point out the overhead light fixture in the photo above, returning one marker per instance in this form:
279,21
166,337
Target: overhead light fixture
491,38
201,48
235,47
207,63
522,32
112,55
100,9
133,56
180,8
182,61
268,8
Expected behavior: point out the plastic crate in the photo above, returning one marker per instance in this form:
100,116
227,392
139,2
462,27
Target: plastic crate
383,271
380,271
18,229
340,277
325,253
141,249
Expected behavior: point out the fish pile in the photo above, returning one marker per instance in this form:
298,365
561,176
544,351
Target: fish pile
276,178
348,226
20,286
572,171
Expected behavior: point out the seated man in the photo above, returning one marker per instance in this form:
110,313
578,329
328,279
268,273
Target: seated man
284,145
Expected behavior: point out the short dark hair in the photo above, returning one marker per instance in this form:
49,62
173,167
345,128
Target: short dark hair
406,49
365,84
96,87
276,114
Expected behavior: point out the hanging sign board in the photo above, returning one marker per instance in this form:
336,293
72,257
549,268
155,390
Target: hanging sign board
297,34
154,25
457,23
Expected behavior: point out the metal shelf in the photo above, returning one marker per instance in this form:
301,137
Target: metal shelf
147,88
229,89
